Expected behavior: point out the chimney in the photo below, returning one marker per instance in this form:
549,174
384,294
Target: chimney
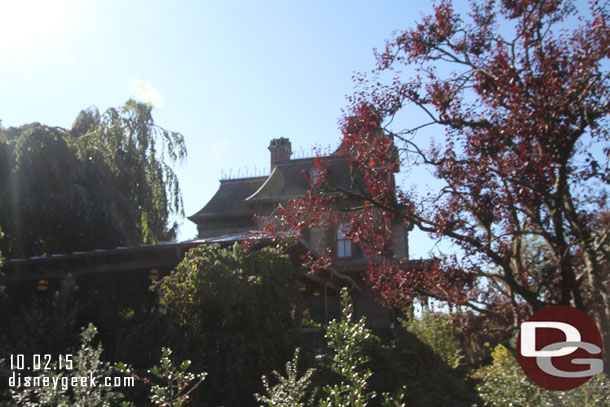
281,150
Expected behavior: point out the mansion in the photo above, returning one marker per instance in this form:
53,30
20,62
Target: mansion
228,217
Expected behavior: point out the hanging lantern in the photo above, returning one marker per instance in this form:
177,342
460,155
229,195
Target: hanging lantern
42,285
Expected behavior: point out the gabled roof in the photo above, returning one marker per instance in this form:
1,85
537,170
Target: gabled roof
230,198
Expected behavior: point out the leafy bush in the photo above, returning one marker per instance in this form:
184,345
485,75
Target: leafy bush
47,324
346,339
436,331
503,383
417,362
290,390
348,361
87,363
230,310
172,384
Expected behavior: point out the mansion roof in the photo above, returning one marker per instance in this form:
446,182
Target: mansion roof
288,179
230,199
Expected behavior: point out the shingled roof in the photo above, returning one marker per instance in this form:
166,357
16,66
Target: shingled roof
289,179
232,208
230,199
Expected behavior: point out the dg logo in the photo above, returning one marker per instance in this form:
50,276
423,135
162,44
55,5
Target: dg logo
560,348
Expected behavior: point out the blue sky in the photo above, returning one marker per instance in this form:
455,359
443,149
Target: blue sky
228,75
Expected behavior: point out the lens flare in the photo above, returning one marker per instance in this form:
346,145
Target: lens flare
144,92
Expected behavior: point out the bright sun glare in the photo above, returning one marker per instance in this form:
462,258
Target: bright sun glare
26,26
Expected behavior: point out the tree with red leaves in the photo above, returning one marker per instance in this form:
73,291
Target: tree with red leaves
520,90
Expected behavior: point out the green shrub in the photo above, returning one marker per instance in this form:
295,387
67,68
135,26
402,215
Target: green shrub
86,363
171,384
348,362
45,323
346,339
503,383
230,311
290,390
436,331
418,363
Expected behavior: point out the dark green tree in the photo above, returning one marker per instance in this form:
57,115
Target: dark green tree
1,262
230,311
4,169
108,181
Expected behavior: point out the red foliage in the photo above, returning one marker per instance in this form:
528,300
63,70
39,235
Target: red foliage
524,161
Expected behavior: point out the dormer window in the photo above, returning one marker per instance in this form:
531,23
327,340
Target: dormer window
344,245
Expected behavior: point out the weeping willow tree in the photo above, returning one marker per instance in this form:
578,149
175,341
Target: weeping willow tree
107,181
